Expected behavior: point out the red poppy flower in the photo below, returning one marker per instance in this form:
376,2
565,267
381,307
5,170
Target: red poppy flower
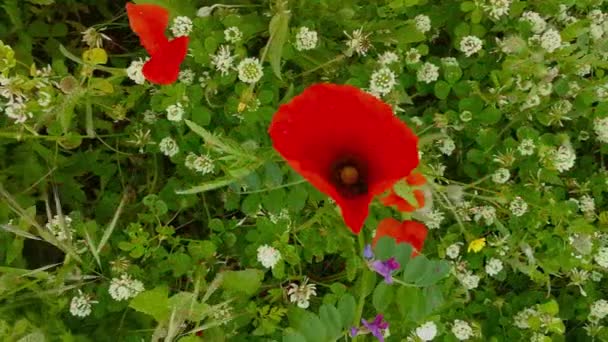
346,143
392,199
411,232
149,22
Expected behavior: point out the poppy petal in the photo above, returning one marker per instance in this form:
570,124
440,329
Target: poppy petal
163,67
330,128
149,22
411,232
392,199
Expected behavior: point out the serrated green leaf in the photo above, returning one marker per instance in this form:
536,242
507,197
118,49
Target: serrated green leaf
153,302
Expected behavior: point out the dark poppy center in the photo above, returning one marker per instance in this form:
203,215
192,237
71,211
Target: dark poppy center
349,175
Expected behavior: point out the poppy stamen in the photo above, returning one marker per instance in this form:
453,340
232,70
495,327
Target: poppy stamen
349,175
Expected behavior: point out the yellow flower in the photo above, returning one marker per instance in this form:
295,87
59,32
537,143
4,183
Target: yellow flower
477,245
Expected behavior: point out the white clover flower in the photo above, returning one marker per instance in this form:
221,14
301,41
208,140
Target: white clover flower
168,147
306,39
596,16
80,306
532,100
544,89
125,287
447,146
358,42
598,310
453,250
518,206
388,57
498,8
427,331
150,117
587,204
501,176
526,147
202,164
602,257
434,219
583,70
462,330
423,23
521,318
223,60
596,276
468,280
600,127
536,21
186,76
175,112
412,56
470,45
493,267
382,81
135,73
182,26
18,112
596,31
563,157
61,232
268,256
486,212
551,40
427,73
250,70
233,34
300,294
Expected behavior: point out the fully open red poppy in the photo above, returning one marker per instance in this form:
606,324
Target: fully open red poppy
392,199
149,22
346,143
411,232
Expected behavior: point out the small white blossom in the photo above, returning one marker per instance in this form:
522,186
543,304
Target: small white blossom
412,56
223,60
602,257
168,147
250,70
518,206
80,306
423,23
306,39
498,8
388,57
563,157
135,73
427,73
268,256
493,267
182,26
18,111
470,45
468,280
521,318
501,176
150,117
61,231
233,34
427,331
583,70
382,81
186,76
596,31
300,294
453,250
44,99
175,112
600,127
125,287
434,219
446,146
596,16
536,21
358,42
526,147
202,164
550,40
486,212
587,204
94,38
462,330
598,310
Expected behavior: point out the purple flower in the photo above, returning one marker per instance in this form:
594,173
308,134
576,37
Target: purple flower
376,327
367,252
386,268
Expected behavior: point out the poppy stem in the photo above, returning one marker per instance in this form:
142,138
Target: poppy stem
362,295
273,188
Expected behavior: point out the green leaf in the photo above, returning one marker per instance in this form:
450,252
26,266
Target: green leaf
415,269
279,31
490,116
383,296
346,307
435,271
153,302
311,327
246,281
330,316
294,337
452,73
403,252
385,248
442,89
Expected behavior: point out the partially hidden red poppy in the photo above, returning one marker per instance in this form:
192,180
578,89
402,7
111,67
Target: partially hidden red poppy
149,22
345,142
411,232
392,199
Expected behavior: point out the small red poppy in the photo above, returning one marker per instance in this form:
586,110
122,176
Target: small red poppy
345,142
411,232
149,22
392,199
